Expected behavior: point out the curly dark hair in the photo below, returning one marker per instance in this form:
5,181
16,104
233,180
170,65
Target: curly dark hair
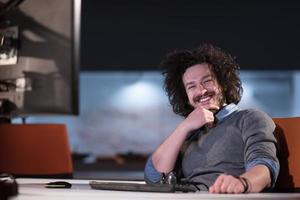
222,65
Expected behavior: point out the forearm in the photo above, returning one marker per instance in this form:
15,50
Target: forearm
165,156
258,177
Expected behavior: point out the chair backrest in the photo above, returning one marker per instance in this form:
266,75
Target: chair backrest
288,135
35,150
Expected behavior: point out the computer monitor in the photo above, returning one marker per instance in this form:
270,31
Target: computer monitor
39,57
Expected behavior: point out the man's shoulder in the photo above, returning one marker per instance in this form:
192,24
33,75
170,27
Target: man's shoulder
253,115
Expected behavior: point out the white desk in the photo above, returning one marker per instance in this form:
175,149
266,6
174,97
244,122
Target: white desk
33,189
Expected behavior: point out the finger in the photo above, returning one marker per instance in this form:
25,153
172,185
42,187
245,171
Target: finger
205,114
217,184
231,187
225,184
214,108
209,120
199,107
239,188
211,189
209,116
229,184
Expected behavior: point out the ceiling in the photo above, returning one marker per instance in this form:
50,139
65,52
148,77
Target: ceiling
136,34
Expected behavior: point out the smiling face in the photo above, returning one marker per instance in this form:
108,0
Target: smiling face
202,87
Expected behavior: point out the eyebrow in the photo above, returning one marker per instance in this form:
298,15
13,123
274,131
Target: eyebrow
207,76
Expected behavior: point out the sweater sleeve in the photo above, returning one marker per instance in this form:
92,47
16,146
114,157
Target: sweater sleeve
272,165
257,133
151,175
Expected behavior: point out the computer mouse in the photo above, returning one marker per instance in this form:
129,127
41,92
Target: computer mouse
58,184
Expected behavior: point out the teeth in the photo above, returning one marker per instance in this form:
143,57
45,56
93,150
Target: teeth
204,99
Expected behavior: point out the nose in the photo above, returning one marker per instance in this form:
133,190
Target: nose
201,89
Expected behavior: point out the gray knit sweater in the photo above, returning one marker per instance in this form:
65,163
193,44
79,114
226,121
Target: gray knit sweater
228,147
237,143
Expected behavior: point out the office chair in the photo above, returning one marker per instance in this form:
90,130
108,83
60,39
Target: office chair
35,150
287,133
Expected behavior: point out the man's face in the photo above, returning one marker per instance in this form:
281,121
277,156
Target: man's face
202,87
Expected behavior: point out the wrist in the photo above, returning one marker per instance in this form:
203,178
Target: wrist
184,127
246,183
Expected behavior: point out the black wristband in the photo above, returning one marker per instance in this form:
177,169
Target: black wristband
245,183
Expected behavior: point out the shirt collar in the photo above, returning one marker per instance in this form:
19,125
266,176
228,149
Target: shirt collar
226,111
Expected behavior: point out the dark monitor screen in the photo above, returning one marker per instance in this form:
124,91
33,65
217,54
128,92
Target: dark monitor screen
39,57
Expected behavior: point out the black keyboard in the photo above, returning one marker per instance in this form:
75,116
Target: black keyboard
140,187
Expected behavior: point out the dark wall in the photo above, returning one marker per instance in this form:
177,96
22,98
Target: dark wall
136,34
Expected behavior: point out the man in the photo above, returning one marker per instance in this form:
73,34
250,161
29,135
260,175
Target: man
217,147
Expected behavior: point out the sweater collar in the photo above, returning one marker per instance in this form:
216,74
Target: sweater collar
226,111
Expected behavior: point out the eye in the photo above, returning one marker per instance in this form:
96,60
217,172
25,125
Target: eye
207,82
190,87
